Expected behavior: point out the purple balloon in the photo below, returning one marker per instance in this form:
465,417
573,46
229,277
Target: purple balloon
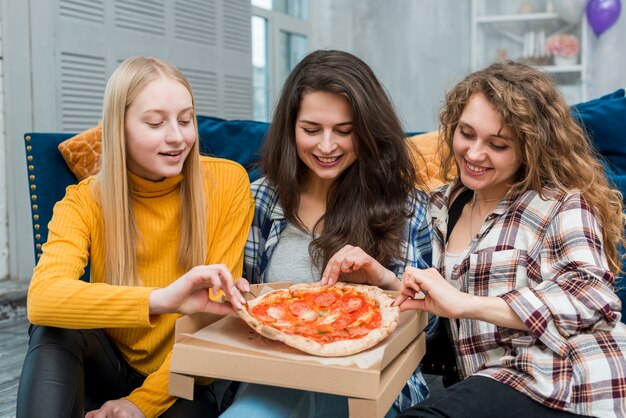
602,14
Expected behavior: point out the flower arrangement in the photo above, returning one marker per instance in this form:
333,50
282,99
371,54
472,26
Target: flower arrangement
563,45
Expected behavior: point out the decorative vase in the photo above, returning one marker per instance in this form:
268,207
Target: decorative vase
562,61
526,7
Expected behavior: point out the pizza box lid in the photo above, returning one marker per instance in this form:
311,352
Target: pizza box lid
200,358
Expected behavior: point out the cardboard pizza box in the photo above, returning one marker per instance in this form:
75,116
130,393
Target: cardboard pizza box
371,391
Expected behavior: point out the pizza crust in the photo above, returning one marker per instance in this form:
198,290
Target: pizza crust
389,322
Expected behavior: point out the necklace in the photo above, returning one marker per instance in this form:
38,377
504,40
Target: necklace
472,204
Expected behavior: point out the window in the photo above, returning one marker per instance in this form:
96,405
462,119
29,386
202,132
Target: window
296,8
260,79
280,30
293,47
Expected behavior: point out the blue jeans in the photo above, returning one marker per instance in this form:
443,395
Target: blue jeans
260,401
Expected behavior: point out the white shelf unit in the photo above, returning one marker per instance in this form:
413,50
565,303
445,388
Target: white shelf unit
500,30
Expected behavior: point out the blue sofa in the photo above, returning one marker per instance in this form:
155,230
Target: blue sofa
604,120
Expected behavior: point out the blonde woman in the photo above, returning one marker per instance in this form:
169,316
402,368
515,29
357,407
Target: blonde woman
160,226
524,255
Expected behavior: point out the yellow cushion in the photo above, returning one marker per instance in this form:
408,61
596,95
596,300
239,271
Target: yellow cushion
428,164
82,152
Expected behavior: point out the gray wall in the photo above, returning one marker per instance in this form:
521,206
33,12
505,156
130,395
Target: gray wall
607,59
420,48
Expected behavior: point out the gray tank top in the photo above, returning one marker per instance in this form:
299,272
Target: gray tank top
290,261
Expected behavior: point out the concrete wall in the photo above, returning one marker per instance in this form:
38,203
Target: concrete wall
607,59
417,48
4,242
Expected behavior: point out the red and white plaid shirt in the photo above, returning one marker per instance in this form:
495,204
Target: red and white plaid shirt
545,258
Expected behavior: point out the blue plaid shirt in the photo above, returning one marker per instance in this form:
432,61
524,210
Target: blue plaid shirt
269,222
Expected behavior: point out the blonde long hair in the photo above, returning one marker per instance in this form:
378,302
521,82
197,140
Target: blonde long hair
115,196
553,147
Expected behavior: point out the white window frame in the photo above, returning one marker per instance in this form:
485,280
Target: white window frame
278,22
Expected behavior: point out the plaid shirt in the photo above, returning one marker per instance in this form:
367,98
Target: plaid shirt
269,222
545,259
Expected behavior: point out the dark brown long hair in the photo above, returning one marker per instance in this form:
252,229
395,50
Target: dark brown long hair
553,147
367,204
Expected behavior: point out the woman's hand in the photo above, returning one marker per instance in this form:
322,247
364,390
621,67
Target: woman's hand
118,408
190,293
433,294
352,264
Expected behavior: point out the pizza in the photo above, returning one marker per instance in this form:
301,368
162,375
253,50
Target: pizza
324,321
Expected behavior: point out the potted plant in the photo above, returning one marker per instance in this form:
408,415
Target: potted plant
564,47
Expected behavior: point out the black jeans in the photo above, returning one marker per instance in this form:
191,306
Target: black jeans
482,397
68,372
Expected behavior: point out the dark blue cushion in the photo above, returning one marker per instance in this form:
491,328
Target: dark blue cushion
604,119
237,140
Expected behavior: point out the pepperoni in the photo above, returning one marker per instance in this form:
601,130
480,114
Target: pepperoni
342,322
298,308
302,311
325,299
261,313
324,316
351,304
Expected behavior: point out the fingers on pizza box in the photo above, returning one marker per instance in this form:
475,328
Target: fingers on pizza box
338,321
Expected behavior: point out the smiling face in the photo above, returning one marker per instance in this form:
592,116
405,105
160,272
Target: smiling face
324,136
484,150
160,130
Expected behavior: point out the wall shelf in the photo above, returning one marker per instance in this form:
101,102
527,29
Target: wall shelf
526,17
561,68
501,31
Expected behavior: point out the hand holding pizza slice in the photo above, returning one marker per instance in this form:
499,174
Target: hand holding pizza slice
324,321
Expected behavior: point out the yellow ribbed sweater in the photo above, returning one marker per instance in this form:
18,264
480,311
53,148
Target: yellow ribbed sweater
57,297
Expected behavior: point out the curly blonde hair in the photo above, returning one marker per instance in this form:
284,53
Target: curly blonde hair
553,147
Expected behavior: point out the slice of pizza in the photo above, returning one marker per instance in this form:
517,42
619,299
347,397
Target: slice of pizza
324,321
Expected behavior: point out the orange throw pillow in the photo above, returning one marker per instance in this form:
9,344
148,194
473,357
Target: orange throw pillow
428,164
82,152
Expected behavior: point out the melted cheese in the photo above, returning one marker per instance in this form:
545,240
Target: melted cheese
308,315
276,312
329,319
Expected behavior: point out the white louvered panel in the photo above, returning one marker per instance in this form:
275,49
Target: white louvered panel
141,15
195,21
237,25
204,85
83,79
90,10
237,94
50,34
